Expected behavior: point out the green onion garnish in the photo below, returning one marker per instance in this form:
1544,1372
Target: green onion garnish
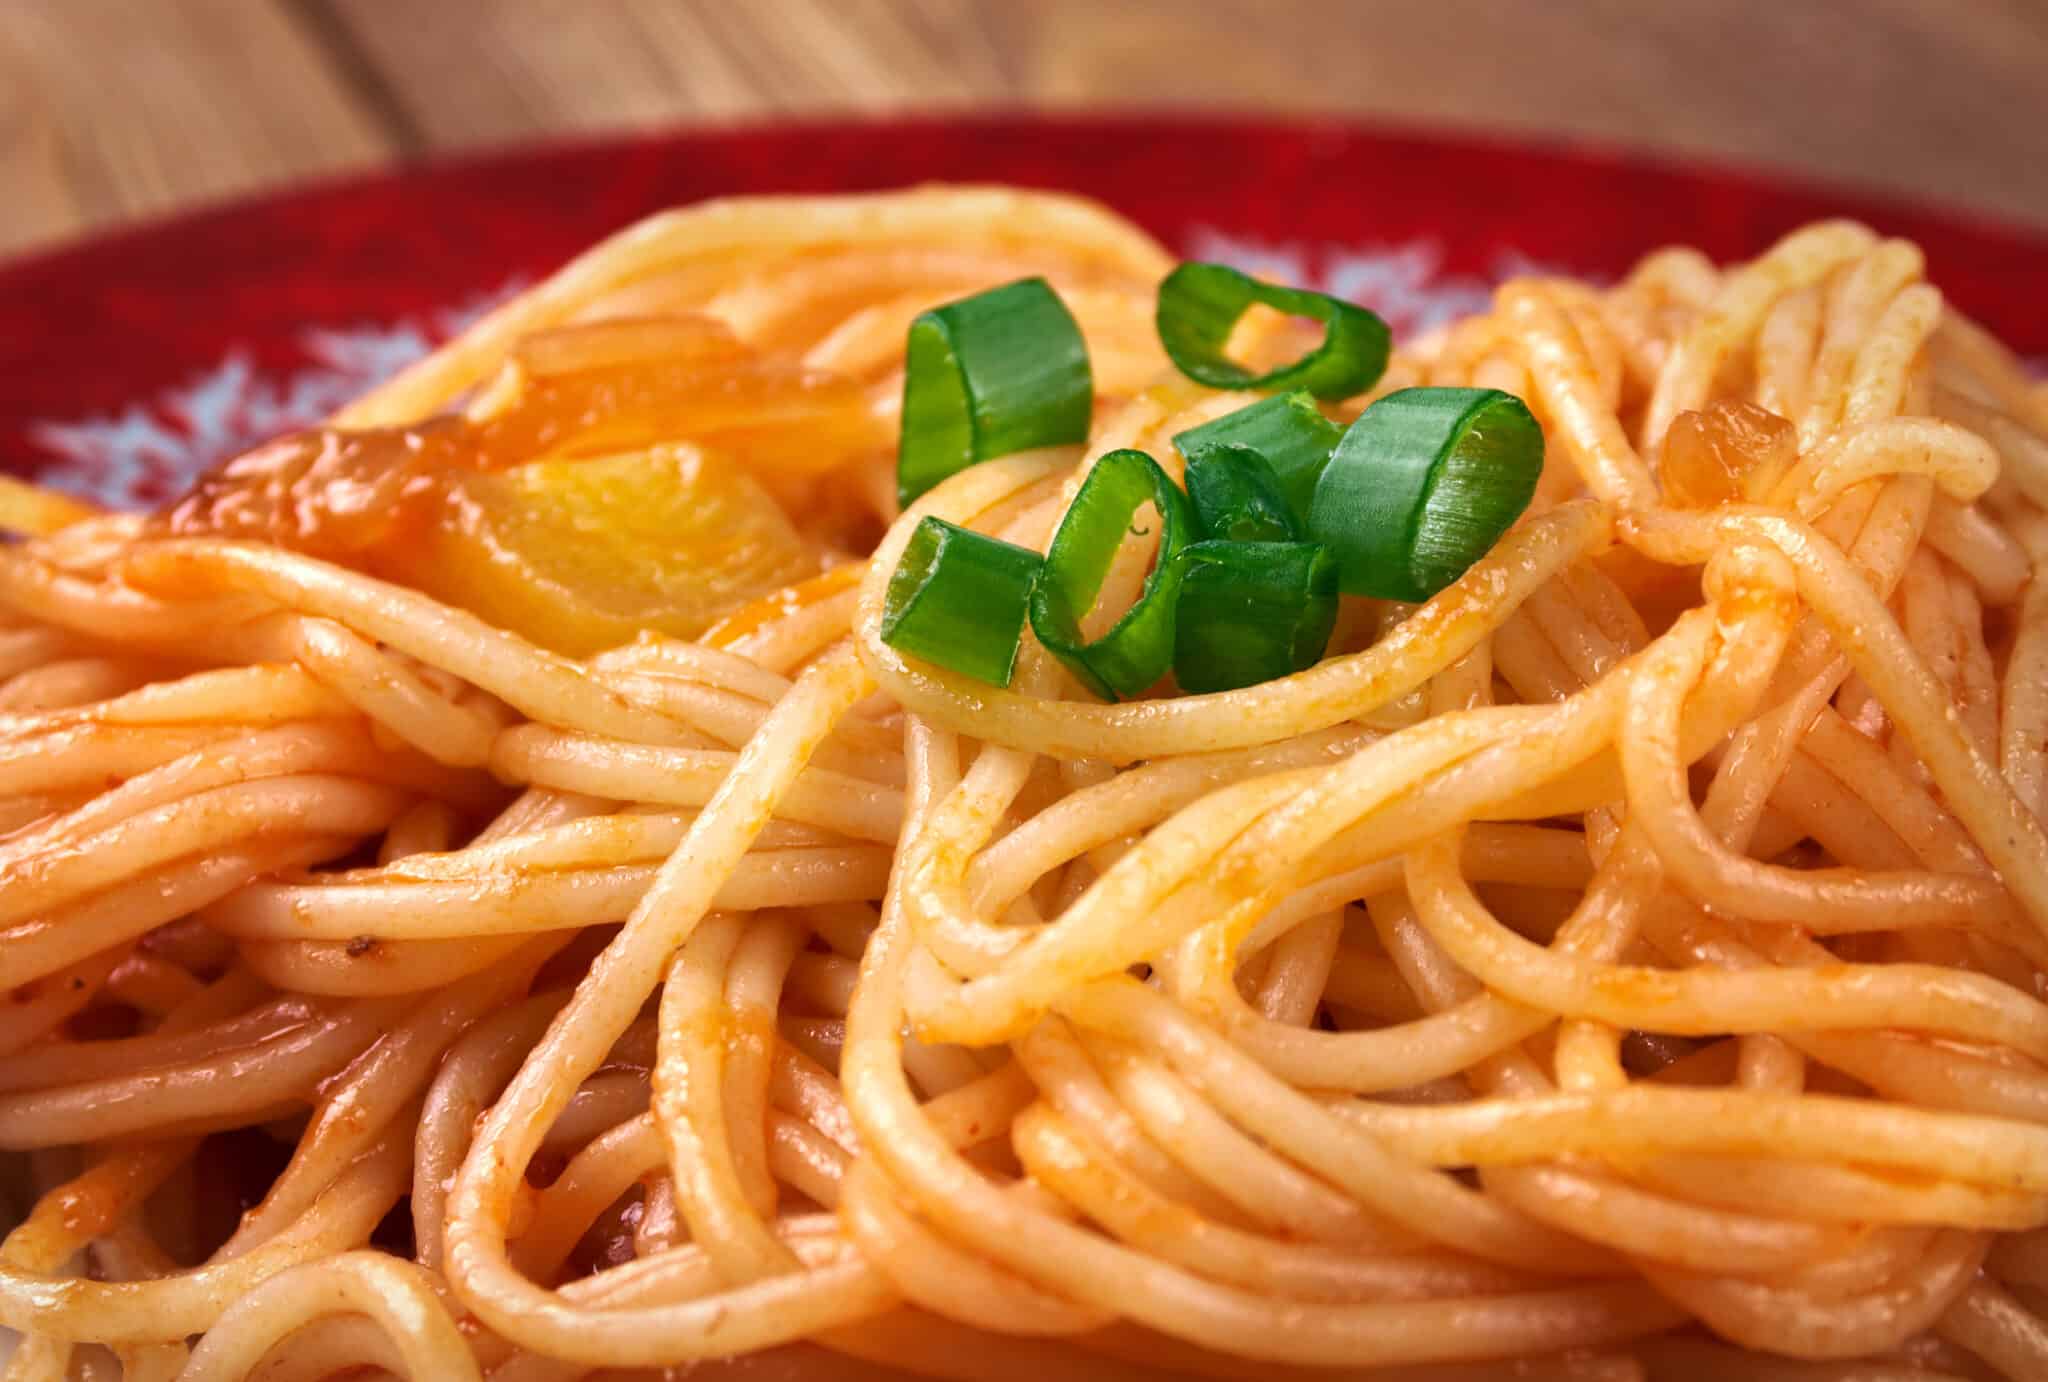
1251,611
1236,496
1138,648
1000,372
958,598
1199,305
1287,431
1422,485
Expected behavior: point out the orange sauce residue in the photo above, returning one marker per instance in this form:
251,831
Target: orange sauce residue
755,615
587,390
328,493
1710,455
623,475
780,416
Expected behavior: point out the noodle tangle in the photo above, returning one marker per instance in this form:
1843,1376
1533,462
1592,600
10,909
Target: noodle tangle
1632,963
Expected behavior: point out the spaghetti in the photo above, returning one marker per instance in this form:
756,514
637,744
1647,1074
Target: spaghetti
1629,962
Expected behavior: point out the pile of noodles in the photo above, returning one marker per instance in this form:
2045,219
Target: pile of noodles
1630,962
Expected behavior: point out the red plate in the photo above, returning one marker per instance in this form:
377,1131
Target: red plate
128,363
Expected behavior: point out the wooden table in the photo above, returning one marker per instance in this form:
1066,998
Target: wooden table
114,109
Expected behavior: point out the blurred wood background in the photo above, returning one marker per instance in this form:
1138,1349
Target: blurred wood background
115,109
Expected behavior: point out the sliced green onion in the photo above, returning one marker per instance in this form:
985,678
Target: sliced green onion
1287,431
1423,484
958,598
1251,611
1199,305
1000,372
1138,648
1236,496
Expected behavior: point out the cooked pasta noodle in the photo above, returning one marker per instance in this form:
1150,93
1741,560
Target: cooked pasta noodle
1632,962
